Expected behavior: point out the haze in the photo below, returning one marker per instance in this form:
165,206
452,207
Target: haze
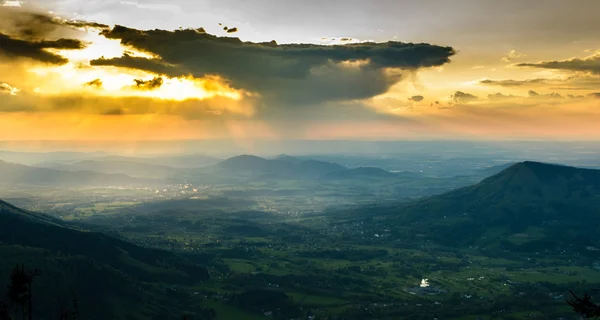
287,160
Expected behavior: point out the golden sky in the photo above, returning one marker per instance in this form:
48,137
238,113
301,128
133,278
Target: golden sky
75,71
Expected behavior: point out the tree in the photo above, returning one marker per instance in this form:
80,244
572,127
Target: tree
4,313
19,290
584,306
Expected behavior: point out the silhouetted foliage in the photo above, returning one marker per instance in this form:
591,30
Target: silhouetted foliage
20,297
19,290
4,312
584,306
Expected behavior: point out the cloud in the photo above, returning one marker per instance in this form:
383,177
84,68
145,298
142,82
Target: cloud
94,83
460,97
81,103
513,83
534,98
578,81
416,98
501,96
289,74
552,95
34,35
140,63
12,3
5,88
513,55
84,24
25,24
589,64
595,95
151,84
36,50
114,112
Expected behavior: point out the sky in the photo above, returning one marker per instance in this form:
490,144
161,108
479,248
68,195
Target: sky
279,69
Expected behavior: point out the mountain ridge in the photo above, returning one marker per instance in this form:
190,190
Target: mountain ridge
562,201
91,264
13,173
283,167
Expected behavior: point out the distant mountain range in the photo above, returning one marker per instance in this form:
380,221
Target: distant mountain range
131,168
291,167
280,167
18,174
529,206
34,158
99,169
175,161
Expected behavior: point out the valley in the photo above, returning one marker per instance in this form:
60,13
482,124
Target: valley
295,246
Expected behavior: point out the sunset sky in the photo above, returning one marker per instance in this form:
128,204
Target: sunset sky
280,69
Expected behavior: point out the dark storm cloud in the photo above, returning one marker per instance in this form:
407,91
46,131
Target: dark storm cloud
416,98
17,48
127,61
513,83
28,34
152,84
460,97
85,24
291,73
589,64
22,23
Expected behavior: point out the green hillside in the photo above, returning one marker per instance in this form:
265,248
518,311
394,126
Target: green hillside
135,281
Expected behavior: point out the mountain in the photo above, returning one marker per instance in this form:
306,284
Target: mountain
17,174
317,168
489,171
357,173
174,161
183,161
529,206
131,168
93,264
33,158
283,168
287,157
